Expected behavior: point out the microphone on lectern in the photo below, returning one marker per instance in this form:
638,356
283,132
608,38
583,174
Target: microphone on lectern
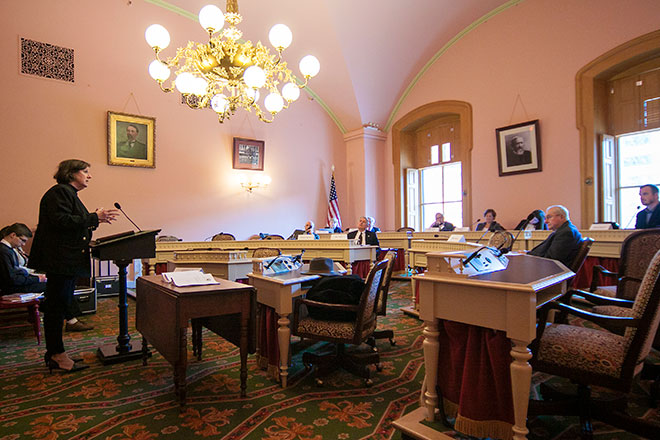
118,206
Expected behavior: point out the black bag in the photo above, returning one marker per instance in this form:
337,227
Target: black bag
336,290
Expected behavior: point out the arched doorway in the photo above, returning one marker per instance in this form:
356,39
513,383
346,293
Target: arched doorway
404,148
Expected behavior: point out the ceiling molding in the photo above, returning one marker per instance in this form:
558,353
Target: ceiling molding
441,52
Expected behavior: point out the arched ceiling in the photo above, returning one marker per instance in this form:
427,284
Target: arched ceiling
371,51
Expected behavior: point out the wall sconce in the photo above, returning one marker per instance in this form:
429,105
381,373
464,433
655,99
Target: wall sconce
249,182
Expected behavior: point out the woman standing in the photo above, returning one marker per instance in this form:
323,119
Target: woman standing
61,249
490,224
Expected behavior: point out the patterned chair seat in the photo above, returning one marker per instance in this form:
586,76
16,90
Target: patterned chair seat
580,348
331,329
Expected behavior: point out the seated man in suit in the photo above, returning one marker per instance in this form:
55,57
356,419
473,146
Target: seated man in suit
363,235
15,277
441,223
649,217
564,242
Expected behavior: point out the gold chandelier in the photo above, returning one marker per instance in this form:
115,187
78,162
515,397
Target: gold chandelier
226,74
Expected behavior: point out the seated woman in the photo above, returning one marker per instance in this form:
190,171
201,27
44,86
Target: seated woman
490,224
537,221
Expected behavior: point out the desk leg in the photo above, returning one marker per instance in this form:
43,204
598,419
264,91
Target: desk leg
180,367
349,268
284,340
521,381
431,353
245,319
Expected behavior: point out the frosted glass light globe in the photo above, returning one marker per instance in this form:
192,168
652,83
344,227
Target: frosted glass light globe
290,92
219,103
159,71
211,18
253,94
255,77
157,36
274,103
199,86
280,36
184,82
309,66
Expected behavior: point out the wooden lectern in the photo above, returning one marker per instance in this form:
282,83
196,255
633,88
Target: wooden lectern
122,249
504,299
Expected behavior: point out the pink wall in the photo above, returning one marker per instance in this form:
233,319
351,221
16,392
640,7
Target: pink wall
533,50
193,191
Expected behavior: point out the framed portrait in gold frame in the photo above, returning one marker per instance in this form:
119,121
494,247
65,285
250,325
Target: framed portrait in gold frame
131,140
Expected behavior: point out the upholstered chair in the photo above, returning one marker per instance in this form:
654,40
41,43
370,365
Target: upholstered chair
222,236
636,253
340,333
589,356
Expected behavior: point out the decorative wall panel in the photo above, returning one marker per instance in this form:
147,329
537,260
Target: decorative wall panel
47,60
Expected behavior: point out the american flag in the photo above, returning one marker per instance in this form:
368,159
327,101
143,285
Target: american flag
333,206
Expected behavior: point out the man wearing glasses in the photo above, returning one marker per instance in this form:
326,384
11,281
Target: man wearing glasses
564,242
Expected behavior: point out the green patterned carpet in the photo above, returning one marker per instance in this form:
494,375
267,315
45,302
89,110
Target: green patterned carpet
130,401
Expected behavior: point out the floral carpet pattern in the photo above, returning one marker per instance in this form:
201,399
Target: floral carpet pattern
131,401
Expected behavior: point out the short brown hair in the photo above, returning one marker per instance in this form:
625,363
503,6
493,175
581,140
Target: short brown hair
20,229
67,168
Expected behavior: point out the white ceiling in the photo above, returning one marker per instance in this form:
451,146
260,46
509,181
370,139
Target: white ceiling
370,50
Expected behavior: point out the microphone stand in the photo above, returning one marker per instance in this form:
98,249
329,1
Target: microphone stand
631,218
506,250
118,206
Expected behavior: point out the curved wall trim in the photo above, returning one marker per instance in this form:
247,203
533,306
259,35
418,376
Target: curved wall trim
441,52
587,81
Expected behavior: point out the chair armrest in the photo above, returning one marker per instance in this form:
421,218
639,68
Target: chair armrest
606,321
611,323
599,270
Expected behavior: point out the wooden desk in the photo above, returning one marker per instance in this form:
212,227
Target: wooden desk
278,291
230,265
505,300
342,251
163,311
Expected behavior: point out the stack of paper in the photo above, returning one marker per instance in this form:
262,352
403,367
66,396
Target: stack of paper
189,278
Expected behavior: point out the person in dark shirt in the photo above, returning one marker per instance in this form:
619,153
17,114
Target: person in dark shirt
490,224
650,216
441,224
564,242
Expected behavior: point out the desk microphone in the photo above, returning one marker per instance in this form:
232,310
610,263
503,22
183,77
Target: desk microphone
472,255
272,262
478,220
118,206
298,258
633,216
506,250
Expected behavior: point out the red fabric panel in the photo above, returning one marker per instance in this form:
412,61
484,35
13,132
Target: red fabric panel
160,268
473,371
267,338
361,268
583,278
400,260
